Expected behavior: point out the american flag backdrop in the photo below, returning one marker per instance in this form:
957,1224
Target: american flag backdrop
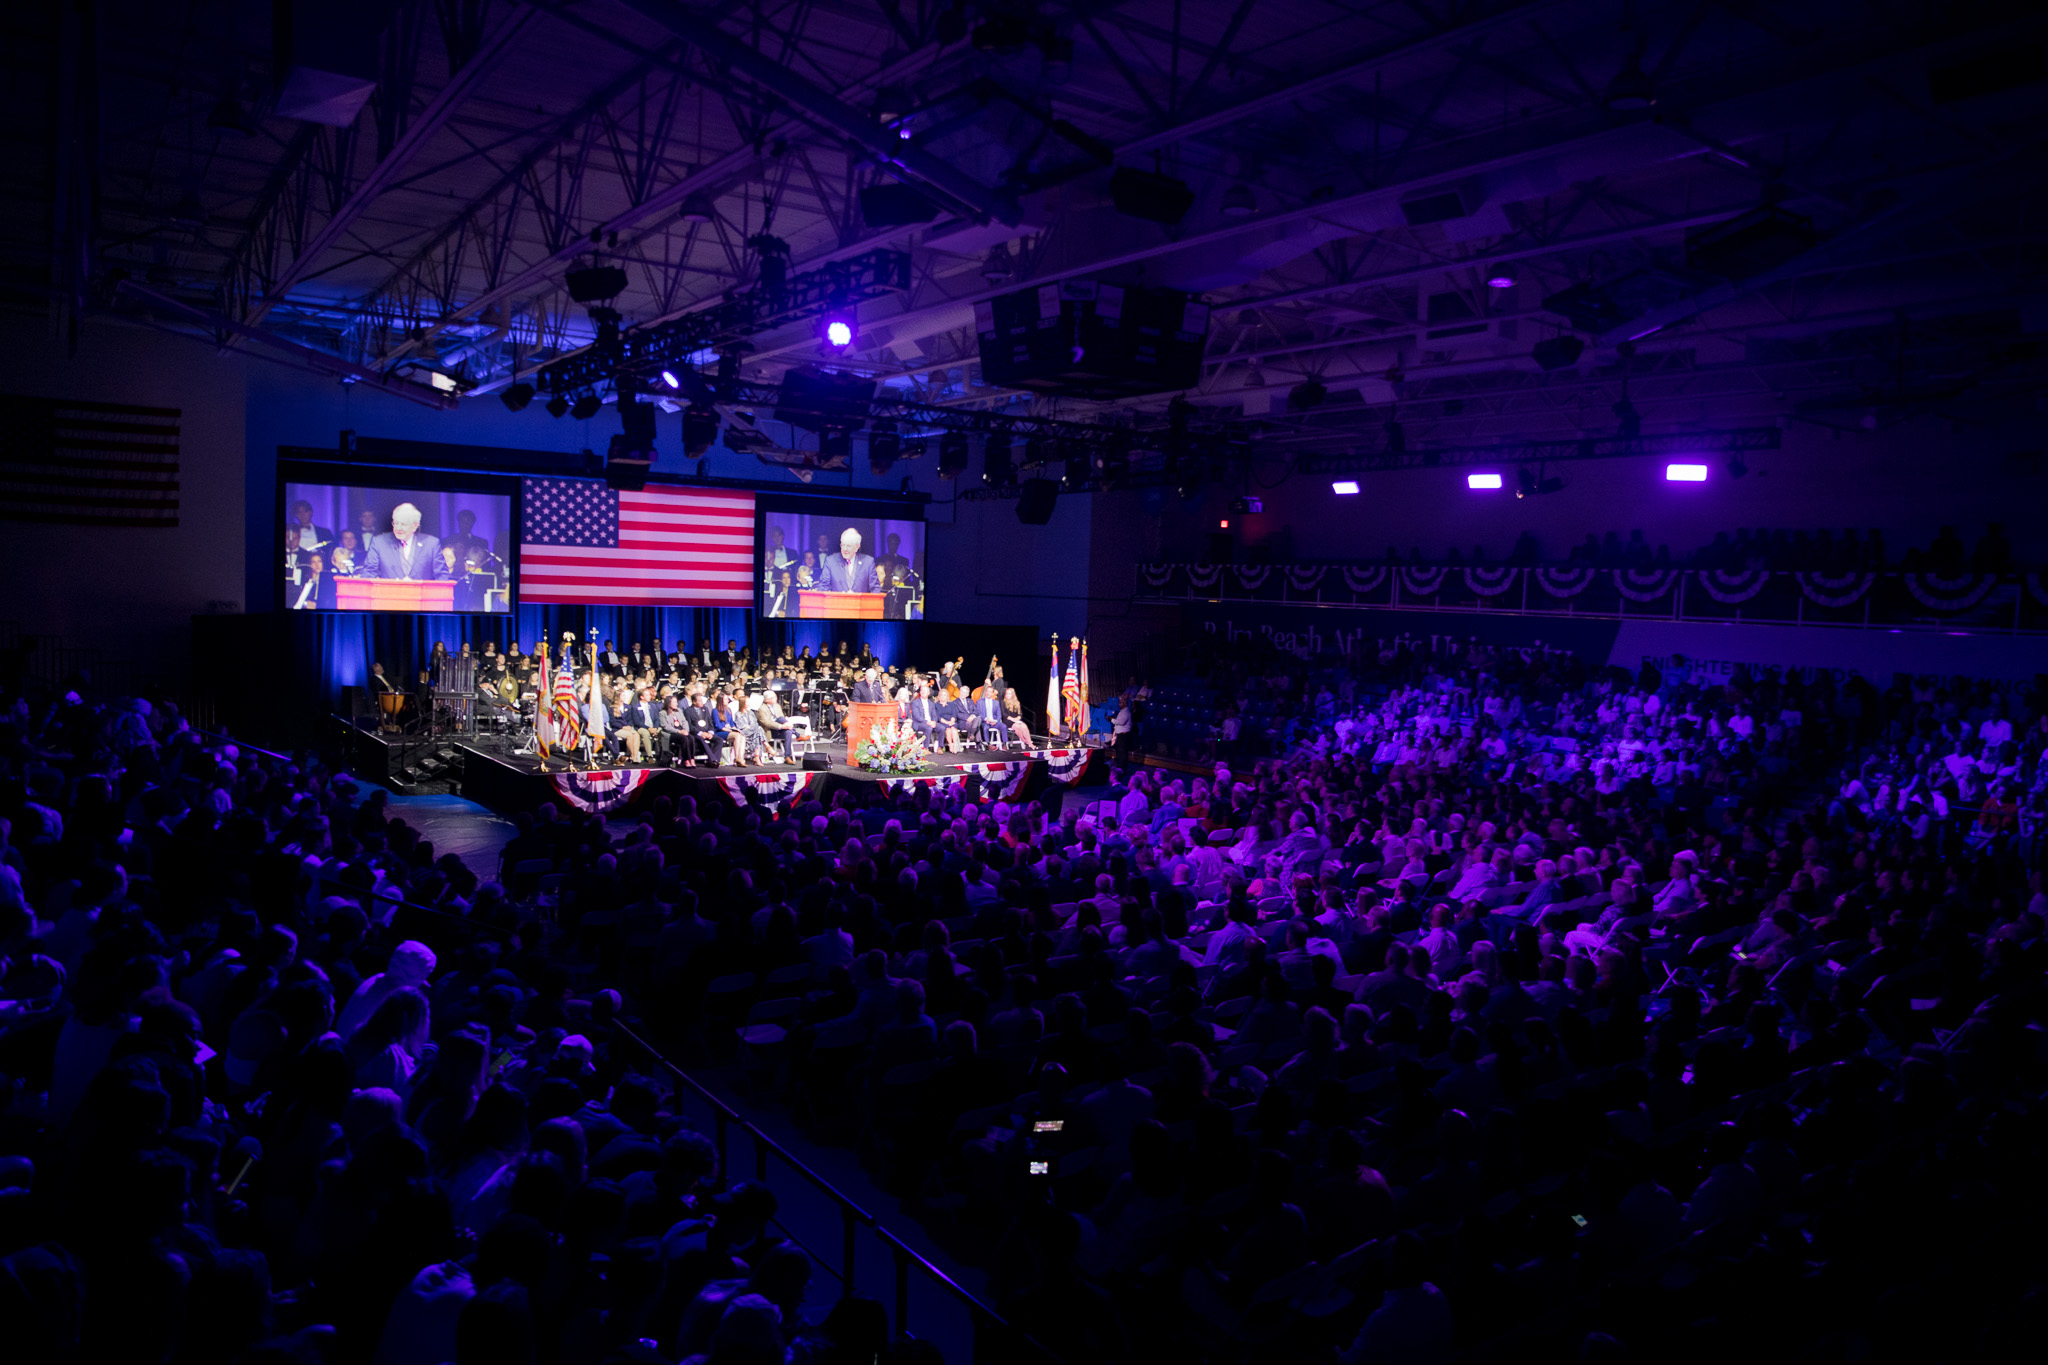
88,464
581,542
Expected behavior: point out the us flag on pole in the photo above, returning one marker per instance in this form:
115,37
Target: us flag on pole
88,464
581,542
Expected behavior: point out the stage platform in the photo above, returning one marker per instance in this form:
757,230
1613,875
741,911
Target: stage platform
488,771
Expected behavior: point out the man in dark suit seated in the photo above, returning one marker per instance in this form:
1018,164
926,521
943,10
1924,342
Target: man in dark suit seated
924,716
849,570
697,724
403,552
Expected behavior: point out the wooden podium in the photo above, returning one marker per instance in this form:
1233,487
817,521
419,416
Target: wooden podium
863,715
394,594
839,606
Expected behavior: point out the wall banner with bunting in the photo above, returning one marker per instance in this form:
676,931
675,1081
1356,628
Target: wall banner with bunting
604,791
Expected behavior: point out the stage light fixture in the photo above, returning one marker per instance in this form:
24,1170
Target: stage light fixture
586,406
668,377
884,445
1309,393
1037,451
1525,483
558,406
835,444
517,396
1685,473
1239,202
1482,481
595,284
996,268
698,208
1631,88
1345,488
1629,421
700,430
838,330
1501,279
995,460
1079,466
1557,353
952,454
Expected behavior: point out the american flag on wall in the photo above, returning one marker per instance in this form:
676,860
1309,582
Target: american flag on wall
581,542
88,464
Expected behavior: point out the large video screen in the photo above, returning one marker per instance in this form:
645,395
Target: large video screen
349,548
817,566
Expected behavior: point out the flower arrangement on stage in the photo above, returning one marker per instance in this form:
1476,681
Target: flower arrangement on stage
891,749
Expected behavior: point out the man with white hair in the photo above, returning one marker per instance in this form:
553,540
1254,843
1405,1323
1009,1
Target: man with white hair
403,551
849,570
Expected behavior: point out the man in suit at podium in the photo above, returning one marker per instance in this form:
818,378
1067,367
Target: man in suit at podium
404,552
849,570
870,688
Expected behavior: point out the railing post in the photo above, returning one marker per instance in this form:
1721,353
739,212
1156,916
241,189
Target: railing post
902,1288
849,1252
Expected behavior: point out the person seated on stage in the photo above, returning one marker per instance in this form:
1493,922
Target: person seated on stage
988,716
955,718
643,714
378,682
619,725
675,729
725,724
924,715
700,740
807,576
1013,717
404,552
749,741
311,535
776,728
849,570
608,658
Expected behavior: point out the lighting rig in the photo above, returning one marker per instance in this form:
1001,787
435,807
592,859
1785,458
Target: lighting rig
1675,443
827,294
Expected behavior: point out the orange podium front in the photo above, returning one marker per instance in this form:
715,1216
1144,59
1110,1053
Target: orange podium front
394,594
839,606
862,716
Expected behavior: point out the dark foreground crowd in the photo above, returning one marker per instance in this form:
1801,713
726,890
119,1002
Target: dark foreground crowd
1492,1018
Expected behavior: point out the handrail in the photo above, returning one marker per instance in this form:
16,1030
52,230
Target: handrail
239,743
853,1214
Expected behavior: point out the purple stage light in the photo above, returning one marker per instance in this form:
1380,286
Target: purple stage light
1686,473
1345,488
1482,481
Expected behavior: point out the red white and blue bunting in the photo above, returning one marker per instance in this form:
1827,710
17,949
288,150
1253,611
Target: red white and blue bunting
604,791
1940,592
1490,582
773,790
1205,576
1157,575
1064,766
1644,585
1422,580
1306,577
1001,781
1835,590
1371,578
1253,576
935,781
1565,582
1733,587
